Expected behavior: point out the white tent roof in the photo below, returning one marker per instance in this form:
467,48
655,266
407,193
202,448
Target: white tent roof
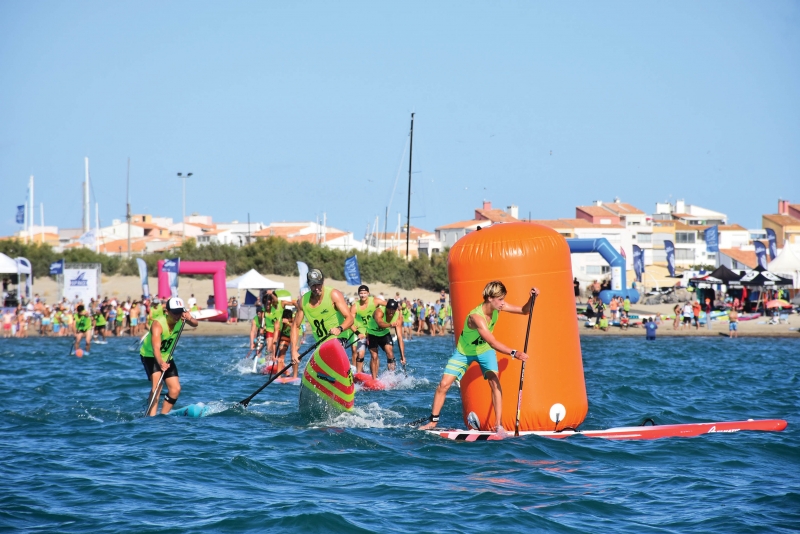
7,265
787,263
252,280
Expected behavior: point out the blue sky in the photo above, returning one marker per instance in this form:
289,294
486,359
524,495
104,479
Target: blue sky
286,110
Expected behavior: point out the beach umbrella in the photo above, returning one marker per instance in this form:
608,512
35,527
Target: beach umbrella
778,303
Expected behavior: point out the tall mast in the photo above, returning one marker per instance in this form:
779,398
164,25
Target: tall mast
128,204
31,211
408,216
87,224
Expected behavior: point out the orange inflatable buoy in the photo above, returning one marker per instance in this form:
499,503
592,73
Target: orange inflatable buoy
79,353
522,256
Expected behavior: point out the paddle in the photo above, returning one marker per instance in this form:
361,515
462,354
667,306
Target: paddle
71,346
246,401
522,372
157,390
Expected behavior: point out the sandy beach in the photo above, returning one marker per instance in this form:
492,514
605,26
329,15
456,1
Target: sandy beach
124,286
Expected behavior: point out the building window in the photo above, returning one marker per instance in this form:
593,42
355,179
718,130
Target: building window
644,238
685,237
598,269
684,254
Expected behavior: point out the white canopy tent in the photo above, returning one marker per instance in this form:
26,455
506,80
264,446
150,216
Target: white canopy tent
787,264
252,280
7,265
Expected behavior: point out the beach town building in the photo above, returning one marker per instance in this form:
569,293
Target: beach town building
484,216
688,214
315,233
785,223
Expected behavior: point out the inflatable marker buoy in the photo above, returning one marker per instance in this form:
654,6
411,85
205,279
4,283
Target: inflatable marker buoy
328,386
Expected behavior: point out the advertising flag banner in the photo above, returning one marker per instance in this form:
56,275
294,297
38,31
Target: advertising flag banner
761,254
638,262
773,245
143,275
80,284
712,239
21,214
57,267
351,271
303,270
669,248
171,267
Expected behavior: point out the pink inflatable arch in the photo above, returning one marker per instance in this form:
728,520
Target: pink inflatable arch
217,268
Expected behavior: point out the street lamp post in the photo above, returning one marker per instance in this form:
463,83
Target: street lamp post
181,176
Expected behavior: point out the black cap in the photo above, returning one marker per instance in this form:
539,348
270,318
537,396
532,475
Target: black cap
315,277
391,304
361,288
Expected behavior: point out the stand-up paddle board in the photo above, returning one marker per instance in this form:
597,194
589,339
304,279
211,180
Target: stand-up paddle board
202,315
687,430
367,382
193,410
288,380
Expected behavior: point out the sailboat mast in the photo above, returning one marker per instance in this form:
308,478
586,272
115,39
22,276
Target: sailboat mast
408,215
128,204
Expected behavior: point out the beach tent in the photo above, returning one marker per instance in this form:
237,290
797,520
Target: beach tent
760,277
722,275
787,264
7,265
252,280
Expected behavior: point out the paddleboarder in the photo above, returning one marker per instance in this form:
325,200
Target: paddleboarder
362,311
379,335
157,349
83,328
326,310
478,344
257,341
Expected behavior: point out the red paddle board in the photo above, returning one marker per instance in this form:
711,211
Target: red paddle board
687,430
369,383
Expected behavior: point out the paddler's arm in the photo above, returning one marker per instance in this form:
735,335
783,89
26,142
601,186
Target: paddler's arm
298,321
341,305
187,316
253,333
525,310
398,330
155,340
479,323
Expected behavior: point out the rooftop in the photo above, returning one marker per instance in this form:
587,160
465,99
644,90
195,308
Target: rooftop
745,257
782,220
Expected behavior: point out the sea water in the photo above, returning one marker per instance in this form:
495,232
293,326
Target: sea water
78,457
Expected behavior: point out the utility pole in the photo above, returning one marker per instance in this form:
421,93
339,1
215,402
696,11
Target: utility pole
128,203
408,216
180,175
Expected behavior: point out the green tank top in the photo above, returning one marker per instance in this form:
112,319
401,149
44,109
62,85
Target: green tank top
158,311
407,315
324,316
167,339
363,315
470,342
274,316
83,323
286,329
373,329
100,319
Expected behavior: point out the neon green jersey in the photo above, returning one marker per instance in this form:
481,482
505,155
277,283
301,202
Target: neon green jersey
100,319
83,323
167,340
324,315
363,315
470,342
373,329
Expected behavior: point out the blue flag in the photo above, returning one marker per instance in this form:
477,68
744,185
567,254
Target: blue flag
638,262
21,214
143,275
351,271
773,245
171,267
761,254
57,267
669,248
712,239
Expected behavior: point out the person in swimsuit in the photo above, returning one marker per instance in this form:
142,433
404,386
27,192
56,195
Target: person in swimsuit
83,328
478,344
379,335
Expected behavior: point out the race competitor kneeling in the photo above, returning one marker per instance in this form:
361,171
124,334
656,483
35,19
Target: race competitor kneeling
362,310
477,344
156,352
257,341
326,311
379,334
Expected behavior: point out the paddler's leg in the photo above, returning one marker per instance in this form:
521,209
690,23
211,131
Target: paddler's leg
497,397
173,390
88,336
155,378
77,340
389,350
439,397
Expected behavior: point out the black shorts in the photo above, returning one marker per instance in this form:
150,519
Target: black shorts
375,342
687,320
100,328
151,367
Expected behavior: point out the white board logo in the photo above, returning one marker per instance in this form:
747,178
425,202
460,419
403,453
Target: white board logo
79,281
